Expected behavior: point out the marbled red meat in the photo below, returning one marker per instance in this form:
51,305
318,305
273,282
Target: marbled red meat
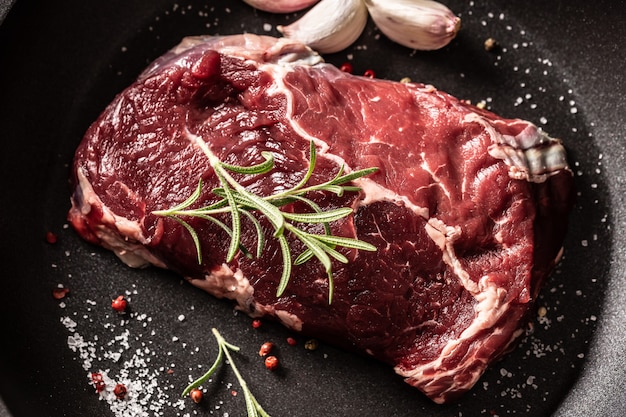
468,210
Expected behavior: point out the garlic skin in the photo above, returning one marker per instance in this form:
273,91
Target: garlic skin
280,6
330,26
417,24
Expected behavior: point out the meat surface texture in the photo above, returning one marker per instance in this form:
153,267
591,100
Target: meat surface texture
468,210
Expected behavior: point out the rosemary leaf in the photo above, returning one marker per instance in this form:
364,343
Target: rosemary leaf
309,172
319,217
315,208
346,242
260,236
262,168
331,288
314,245
353,175
337,189
189,201
250,408
235,224
208,374
216,221
305,256
330,250
222,225
194,236
286,253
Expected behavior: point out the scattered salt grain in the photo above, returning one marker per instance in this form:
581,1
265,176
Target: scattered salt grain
68,323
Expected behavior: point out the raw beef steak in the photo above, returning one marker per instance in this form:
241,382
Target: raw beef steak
468,210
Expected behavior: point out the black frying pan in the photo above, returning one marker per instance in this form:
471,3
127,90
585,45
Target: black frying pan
561,65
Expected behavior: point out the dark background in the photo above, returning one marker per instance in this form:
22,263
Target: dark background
62,62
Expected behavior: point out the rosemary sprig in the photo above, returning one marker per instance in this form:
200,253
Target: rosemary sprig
237,200
253,407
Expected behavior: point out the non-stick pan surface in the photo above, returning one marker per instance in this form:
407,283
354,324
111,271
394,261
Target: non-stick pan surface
559,64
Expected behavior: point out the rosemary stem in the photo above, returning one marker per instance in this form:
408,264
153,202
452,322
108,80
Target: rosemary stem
252,405
236,200
222,342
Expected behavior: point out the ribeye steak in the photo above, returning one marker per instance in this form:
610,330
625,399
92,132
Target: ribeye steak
468,210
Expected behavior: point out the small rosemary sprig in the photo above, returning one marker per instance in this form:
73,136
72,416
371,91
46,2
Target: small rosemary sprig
238,201
253,407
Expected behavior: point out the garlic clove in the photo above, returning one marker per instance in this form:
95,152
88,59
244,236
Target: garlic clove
280,6
330,26
416,24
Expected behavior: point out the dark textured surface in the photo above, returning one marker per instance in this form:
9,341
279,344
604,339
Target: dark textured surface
5,5
62,62
587,45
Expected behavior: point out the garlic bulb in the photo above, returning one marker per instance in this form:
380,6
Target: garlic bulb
416,24
280,6
330,26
